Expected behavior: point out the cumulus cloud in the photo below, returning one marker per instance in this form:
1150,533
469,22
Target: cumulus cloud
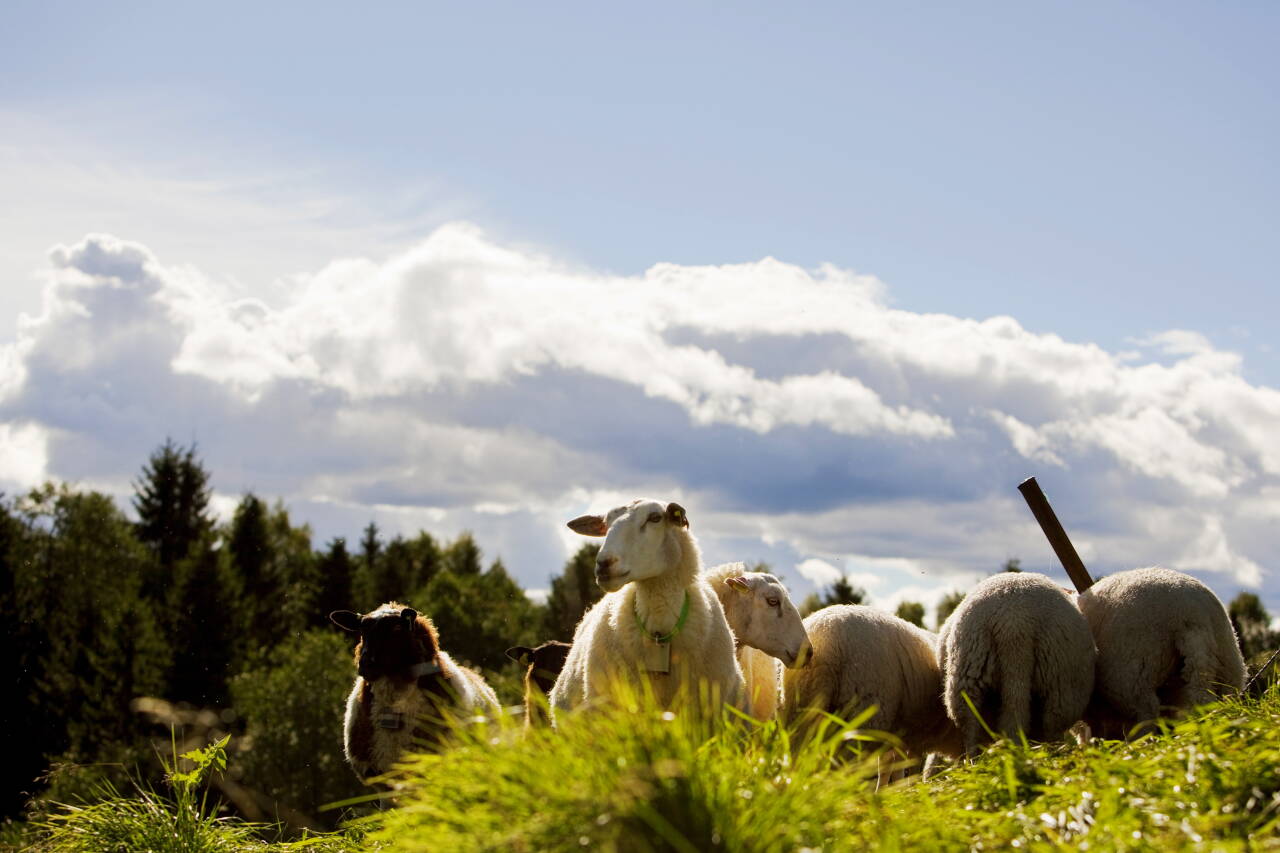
466,384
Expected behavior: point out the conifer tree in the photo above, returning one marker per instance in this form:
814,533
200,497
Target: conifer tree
171,498
336,571
572,593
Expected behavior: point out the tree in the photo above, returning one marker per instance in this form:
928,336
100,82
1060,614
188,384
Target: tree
911,611
462,557
1013,564
840,592
572,593
336,571
171,498
203,624
947,605
292,705
96,642
480,616
843,592
1252,625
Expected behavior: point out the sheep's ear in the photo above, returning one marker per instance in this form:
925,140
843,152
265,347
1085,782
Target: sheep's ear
676,515
739,583
520,654
346,620
589,525
408,614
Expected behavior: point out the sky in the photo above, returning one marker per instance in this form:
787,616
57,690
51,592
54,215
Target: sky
836,278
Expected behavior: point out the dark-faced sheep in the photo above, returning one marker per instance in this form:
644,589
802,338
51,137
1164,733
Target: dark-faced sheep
543,664
405,687
1164,642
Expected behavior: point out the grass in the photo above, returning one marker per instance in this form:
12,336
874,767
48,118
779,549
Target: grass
638,779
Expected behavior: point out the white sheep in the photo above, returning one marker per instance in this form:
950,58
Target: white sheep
404,688
767,630
659,622
863,657
1164,641
1022,653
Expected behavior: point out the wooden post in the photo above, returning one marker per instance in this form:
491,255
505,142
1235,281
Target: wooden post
1055,534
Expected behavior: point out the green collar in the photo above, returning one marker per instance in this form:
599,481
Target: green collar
658,638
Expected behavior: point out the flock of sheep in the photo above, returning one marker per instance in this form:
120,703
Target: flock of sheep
1024,654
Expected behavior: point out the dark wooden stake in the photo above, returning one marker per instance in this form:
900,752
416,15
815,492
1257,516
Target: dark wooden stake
1055,534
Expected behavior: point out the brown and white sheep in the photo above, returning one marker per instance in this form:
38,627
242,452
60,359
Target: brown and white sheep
543,664
406,687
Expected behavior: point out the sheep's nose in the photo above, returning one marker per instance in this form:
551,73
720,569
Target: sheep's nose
604,566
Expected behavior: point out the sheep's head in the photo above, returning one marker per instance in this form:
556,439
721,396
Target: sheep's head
393,640
640,541
762,616
544,662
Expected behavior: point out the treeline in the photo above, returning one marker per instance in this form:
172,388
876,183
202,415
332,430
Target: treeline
100,611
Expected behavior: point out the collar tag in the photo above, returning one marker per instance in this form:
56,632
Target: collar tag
390,720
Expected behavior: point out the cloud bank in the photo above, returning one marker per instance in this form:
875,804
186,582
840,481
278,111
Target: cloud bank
797,414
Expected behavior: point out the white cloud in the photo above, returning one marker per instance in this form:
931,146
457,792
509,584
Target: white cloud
24,455
465,384
819,572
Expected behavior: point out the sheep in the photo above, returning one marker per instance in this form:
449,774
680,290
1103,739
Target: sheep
1164,641
403,682
767,632
1022,653
863,657
659,624
544,664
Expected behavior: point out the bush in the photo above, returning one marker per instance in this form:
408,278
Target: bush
293,709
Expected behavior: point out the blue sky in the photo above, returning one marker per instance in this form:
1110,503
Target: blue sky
1102,173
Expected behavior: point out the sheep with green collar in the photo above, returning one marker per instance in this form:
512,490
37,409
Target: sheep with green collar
659,625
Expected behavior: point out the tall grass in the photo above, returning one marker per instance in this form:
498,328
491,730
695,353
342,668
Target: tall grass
636,778
180,819
639,779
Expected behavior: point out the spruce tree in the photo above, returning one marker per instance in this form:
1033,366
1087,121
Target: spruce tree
572,593
171,498
336,571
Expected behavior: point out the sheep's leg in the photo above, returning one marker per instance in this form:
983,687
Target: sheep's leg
1199,666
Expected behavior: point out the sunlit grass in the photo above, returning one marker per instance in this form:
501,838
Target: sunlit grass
636,778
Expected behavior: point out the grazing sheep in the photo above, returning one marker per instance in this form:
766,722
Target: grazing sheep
1164,641
863,657
544,664
767,631
404,686
659,622
1022,653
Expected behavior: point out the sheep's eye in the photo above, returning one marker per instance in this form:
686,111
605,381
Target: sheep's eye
655,517
773,602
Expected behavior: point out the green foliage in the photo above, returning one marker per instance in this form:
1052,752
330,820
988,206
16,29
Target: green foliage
840,592
1252,625
336,572
277,572
480,616
180,820
462,557
390,573
171,498
946,606
203,624
293,707
636,779
1013,564
96,643
571,594
911,611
